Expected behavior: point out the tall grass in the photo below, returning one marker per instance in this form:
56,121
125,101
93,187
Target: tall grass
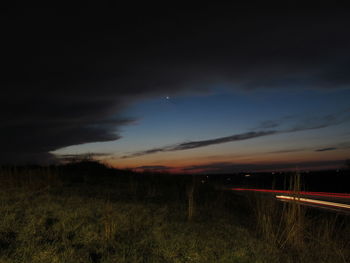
292,228
280,225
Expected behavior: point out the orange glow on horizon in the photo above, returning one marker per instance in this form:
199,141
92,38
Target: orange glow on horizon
175,162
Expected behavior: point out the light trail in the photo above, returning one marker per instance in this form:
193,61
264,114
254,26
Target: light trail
313,201
323,194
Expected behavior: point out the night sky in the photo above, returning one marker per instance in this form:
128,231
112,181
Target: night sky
209,88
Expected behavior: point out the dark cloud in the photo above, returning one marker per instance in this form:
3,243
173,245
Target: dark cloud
154,167
232,138
318,122
288,151
203,143
339,146
80,157
326,149
66,75
293,123
32,142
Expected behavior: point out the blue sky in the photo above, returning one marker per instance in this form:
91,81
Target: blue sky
162,121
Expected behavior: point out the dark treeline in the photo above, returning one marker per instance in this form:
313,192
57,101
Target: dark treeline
321,181
93,172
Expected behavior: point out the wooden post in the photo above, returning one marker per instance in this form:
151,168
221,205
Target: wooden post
190,193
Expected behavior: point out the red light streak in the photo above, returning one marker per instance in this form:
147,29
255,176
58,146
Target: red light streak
324,194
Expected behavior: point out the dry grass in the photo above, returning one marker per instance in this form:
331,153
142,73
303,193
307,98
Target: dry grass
290,227
46,218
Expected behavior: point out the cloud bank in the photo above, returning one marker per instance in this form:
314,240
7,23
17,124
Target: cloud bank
68,75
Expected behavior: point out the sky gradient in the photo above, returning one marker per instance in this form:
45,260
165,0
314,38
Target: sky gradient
233,131
211,88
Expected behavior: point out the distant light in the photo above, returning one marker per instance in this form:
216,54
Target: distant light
167,97
247,175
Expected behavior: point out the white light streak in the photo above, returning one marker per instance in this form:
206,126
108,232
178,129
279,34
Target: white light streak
313,201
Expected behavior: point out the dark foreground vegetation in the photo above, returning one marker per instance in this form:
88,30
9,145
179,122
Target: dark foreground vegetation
86,212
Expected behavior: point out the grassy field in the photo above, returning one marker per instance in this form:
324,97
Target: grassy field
88,213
